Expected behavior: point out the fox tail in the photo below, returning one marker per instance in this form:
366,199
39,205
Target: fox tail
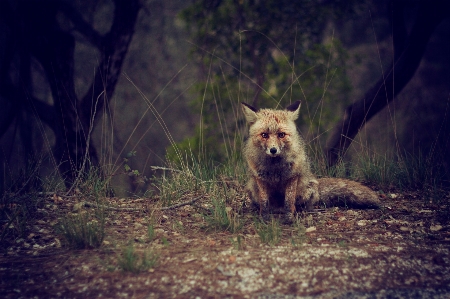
341,192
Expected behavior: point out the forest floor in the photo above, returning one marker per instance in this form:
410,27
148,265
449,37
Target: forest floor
399,251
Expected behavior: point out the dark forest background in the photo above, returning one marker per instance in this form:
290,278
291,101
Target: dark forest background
95,83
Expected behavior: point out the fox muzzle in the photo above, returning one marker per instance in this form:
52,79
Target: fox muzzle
273,151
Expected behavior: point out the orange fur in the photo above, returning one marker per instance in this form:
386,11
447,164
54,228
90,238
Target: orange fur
279,168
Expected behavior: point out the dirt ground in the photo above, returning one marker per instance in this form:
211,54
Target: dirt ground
400,251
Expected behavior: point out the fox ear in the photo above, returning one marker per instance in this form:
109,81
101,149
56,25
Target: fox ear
249,113
295,109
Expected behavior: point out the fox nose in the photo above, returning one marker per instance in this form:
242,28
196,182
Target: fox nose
273,150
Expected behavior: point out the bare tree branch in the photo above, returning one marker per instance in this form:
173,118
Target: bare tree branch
91,35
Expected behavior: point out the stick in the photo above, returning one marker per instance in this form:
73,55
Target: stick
175,206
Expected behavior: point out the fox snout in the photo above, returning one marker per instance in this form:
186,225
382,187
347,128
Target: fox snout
273,151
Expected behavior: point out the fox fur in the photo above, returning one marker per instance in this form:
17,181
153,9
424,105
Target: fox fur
279,169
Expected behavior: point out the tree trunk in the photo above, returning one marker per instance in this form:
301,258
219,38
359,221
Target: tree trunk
407,57
54,49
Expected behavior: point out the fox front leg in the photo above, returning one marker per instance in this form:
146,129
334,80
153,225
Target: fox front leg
308,194
289,199
312,192
263,195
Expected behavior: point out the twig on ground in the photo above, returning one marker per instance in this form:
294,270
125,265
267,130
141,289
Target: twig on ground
175,206
315,211
111,208
89,204
184,203
164,168
57,194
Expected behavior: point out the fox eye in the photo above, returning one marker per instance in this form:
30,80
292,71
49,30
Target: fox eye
264,135
281,135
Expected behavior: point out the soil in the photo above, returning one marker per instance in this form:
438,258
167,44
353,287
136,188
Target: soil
399,251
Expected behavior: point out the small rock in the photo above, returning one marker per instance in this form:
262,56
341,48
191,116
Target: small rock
224,272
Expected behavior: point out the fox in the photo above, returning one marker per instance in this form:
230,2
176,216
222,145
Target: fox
279,169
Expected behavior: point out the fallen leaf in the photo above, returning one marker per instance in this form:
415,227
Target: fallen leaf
352,213
435,228
77,207
310,229
57,199
361,222
338,214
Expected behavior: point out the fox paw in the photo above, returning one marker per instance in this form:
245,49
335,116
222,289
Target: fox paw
261,207
289,218
312,192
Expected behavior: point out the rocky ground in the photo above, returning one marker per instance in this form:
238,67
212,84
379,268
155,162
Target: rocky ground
400,251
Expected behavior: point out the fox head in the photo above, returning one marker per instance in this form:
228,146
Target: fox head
273,131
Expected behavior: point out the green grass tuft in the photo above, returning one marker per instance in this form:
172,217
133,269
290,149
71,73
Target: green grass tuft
83,230
131,261
223,217
270,232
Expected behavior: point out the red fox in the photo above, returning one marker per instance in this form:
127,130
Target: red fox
279,169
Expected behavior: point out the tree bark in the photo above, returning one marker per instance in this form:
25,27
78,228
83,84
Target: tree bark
31,29
113,50
408,53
